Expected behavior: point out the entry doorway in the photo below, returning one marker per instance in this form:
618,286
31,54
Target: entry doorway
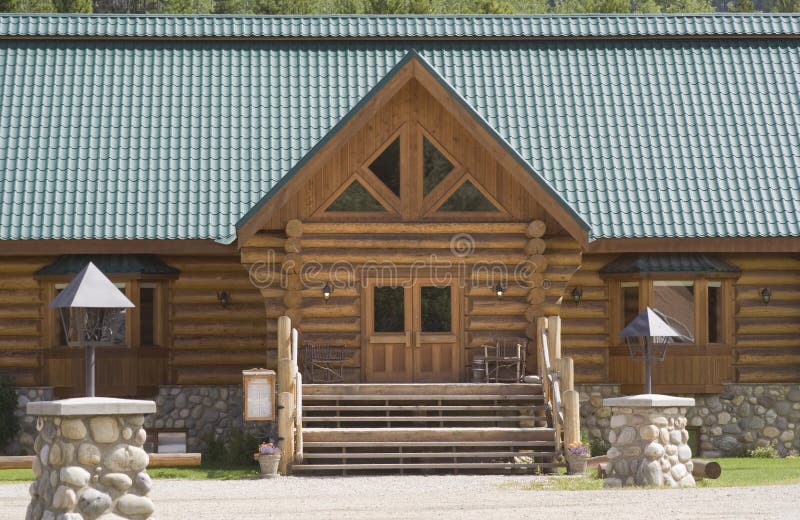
413,331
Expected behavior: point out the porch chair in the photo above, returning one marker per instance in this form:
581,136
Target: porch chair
323,363
504,361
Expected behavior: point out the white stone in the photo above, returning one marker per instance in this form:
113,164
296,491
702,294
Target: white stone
648,432
618,420
140,437
44,455
132,505
88,454
73,429
105,430
54,479
118,481
632,451
135,421
612,483
663,436
75,476
659,420
143,482
64,498
124,458
675,437
613,453
684,453
49,515
127,433
654,450
93,503
621,468
689,466
36,467
626,436
651,474
612,437
82,406
723,418
56,456
648,401
70,516
687,481
680,422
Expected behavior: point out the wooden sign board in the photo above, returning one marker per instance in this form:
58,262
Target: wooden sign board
259,394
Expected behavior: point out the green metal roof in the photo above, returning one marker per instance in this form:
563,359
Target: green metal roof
165,139
409,26
151,265
668,263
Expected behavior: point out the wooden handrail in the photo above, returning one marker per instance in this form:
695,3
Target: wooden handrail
552,390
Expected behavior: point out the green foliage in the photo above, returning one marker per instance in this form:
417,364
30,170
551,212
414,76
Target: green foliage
598,447
237,451
592,6
9,423
9,6
786,6
686,6
741,6
763,452
73,6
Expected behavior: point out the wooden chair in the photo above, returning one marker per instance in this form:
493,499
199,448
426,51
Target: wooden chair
504,361
323,363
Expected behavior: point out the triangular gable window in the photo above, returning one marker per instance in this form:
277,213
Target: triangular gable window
386,167
356,198
468,198
435,166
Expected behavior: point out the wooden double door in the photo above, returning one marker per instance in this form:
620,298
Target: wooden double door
413,331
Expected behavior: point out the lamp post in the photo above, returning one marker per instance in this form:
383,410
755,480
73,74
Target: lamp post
93,315
656,333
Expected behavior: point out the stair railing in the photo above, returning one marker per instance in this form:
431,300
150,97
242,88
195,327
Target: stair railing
290,397
551,389
558,383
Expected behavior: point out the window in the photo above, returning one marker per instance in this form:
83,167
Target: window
467,198
676,300
356,198
715,313
629,296
435,166
390,315
436,313
387,167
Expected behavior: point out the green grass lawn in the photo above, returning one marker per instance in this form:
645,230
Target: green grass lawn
199,473
735,472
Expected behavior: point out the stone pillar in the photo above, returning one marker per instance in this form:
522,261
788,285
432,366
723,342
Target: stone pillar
649,441
89,460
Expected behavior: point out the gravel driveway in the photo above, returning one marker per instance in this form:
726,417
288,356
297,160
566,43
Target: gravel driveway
439,497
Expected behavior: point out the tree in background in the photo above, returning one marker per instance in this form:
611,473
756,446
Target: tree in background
592,6
73,6
741,6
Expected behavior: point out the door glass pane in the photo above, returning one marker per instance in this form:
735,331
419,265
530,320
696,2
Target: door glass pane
714,312
436,309
147,315
387,167
390,314
356,198
630,302
435,166
467,198
676,300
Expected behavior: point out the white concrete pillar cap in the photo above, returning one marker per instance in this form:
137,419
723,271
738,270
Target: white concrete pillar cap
649,401
82,406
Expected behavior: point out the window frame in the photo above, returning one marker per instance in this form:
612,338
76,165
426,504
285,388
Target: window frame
700,280
132,316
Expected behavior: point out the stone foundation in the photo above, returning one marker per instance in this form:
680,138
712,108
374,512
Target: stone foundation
203,411
743,417
89,460
649,442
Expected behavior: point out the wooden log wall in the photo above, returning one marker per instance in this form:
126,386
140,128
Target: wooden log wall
209,343
767,345
22,341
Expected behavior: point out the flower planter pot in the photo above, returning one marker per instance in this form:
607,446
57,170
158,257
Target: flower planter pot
269,464
576,464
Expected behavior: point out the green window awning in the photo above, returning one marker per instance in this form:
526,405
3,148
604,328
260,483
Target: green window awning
136,266
679,263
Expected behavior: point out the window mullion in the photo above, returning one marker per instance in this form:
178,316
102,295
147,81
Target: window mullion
132,315
701,311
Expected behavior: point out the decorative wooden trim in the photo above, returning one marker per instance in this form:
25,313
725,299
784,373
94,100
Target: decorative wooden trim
391,209
500,213
669,275
158,247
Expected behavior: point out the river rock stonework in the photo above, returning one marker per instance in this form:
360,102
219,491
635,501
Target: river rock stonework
649,442
203,412
85,467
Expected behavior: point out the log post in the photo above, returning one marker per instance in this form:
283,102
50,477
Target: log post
554,339
566,373
541,324
286,370
572,417
298,420
286,431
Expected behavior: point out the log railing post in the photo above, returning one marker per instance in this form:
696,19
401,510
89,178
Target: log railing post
286,374
289,396
554,339
286,431
566,373
541,325
572,419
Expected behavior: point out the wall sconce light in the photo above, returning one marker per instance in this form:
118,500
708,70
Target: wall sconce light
577,294
499,290
327,290
766,295
224,298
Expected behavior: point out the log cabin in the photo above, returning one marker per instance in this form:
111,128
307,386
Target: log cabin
410,188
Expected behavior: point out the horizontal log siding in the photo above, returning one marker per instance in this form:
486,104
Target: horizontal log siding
767,345
210,344
21,320
585,326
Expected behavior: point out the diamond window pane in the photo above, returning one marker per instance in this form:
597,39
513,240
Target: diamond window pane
435,166
467,198
356,198
387,167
